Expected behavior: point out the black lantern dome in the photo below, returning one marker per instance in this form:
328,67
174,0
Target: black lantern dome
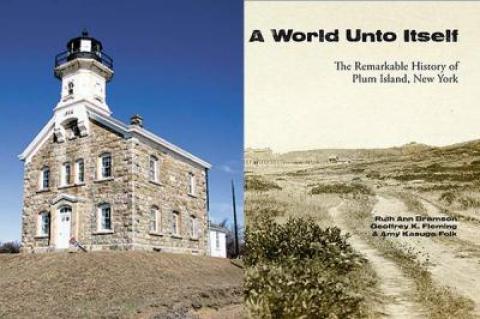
84,47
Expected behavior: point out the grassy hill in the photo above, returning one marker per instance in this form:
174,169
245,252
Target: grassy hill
322,155
115,285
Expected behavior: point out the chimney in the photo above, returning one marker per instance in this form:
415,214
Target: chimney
136,120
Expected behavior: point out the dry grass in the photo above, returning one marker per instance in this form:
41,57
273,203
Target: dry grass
341,188
258,183
412,203
289,202
114,285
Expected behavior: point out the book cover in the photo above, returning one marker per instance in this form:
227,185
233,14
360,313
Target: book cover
362,158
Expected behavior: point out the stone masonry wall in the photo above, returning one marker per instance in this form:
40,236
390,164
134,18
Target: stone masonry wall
169,194
92,192
130,193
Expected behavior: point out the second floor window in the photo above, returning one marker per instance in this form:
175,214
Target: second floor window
153,168
45,178
80,170
191,184
105,166
66,174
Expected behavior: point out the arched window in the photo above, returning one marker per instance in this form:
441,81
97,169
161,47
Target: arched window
175,223
105,165
65,209
43,224
45,178
80,171
155,220
104,217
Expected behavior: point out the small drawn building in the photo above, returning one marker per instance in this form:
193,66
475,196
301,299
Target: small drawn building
257,157
333,159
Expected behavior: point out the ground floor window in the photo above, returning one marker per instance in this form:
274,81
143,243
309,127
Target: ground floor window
193,227
104,217
43,224
176,223
155,220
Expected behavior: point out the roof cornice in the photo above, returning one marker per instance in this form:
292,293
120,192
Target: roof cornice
162,142
128,131
37,141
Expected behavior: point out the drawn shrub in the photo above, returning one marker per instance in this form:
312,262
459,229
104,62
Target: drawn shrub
300,270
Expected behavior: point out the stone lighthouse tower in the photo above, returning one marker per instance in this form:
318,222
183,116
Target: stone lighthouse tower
94,182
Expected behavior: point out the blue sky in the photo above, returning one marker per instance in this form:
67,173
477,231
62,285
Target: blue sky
177,63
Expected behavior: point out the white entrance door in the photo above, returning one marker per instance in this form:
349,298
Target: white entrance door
63,227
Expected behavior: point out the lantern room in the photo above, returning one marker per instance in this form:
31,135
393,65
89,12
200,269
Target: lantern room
84,47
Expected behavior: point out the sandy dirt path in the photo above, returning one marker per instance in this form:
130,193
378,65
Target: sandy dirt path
399,291
447,268
229,312
466,231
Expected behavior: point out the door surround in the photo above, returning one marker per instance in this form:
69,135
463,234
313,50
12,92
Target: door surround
57,203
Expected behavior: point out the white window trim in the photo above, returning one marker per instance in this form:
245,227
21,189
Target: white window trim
158,220
63,174
194,227
176,216
42,173
100,166
155,168
77,171
100,229
192,181
40,233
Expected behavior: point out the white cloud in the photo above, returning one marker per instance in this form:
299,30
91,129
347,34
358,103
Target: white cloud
227,169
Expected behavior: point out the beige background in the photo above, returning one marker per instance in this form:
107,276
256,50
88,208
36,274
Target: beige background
296,100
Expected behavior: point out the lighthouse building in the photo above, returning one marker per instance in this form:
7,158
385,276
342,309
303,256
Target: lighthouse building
93,181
